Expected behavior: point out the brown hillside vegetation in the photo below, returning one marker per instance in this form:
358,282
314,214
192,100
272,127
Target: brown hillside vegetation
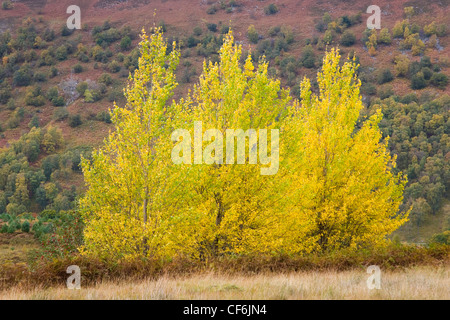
182,16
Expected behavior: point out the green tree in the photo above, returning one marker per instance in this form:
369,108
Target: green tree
34,123
252,34
348,38
308,58
22,77
125,43
7,5
271,9
418,81
75,120
385,36
384,76
88,97
439,80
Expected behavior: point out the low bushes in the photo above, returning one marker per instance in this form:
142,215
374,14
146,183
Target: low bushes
53,272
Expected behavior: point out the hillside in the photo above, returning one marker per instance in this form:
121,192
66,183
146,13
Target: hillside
56,86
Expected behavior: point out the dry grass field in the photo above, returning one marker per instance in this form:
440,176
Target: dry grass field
424,282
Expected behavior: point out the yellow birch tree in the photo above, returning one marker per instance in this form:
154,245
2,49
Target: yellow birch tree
203,177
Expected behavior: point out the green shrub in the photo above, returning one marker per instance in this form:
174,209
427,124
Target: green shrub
321,26
11,105
36,225
271,9
427,73
83,57
273,31
114,66
82,87
60,114
107,37
425,61
66,31
88,97
14,225
34,97
7,5
53,72
48,35
40,77
78,68
369,89
348,38
34,122
6,217
308,59
104,116
408,98
188,73
22,77
75,120
211,10
385,37
14,121
125,43
212,27
116,95
49,164
5,94
225,29
439,80
441,29
162,25
252,34
61,53
27,216
418,81
191,42
4,228
385,91
198,31
58,101
25,227
99,55
442,238
11,228
385,76
52,93
436,68
106,79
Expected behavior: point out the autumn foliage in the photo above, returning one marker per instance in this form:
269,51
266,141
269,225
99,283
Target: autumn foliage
334,189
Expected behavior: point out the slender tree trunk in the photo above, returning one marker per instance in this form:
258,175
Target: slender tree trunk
219,218
145,217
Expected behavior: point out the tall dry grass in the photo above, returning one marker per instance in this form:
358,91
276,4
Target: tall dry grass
47,274
424,282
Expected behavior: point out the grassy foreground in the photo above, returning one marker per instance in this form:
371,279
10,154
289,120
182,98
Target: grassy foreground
424,282
407,272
